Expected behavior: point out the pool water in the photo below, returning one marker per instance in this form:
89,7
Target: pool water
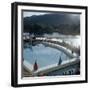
44,56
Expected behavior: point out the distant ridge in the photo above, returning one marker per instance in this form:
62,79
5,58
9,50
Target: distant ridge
55,22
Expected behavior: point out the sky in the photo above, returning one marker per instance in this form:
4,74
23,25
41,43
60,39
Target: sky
28,14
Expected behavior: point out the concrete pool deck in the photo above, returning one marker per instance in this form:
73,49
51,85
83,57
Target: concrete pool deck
28,72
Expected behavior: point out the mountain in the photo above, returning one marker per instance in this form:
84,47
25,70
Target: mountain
62,23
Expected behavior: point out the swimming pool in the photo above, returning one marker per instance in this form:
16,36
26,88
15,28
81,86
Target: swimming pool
43,55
